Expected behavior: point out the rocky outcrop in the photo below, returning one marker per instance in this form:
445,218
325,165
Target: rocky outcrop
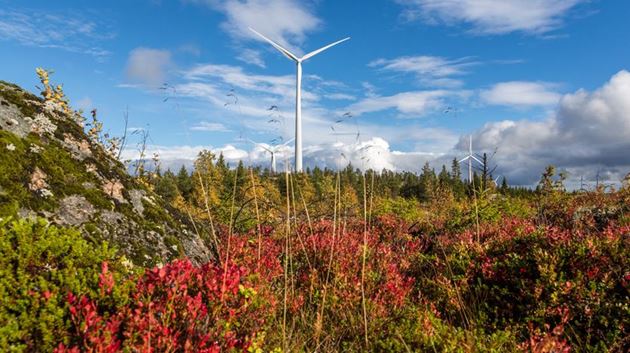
49,167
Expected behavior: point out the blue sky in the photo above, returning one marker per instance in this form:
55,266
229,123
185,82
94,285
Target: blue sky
539,81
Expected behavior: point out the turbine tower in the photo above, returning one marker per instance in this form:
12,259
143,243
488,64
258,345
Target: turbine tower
272,151
470,157
298,90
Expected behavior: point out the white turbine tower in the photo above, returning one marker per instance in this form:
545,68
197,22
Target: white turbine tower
298,91
272,151
470,157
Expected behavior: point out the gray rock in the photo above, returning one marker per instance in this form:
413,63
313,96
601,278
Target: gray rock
136,197
74,210
11,119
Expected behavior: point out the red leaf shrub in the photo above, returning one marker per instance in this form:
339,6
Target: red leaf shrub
178,307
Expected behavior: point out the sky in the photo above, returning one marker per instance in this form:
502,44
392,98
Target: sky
534,82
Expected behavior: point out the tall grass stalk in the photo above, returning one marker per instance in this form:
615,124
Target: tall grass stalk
229,239
365,246
204,190
286,265
320,317
258,225
295,222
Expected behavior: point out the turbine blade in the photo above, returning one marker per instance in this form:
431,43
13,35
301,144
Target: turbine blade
258,144
463,159
477,159
315,52
286,53
288,142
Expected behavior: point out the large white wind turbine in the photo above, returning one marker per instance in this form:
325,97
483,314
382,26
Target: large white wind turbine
272,151
470,157
298,91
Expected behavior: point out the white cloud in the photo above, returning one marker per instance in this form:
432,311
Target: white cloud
286,21
430,70
235,76
190,49
589,131
415,103
493,16
374,153
251,57
341,96
61,30
210,127
148,66
521,94
369,90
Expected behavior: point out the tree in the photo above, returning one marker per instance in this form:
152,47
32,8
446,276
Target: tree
166,186
444,177
504,184
486,170
456,176
184,183
456,171
547,184
428,180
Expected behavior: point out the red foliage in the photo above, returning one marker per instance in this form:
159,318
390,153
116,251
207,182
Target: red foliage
178,307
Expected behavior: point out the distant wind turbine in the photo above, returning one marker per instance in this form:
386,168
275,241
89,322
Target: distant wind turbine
298,90
470,157
496,180
272,151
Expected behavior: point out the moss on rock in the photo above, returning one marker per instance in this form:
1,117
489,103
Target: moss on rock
58,172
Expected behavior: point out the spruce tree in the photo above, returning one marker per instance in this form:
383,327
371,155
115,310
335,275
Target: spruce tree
184,183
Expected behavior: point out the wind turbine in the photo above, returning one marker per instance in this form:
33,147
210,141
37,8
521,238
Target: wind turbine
496,180
470,157
298,90
272,151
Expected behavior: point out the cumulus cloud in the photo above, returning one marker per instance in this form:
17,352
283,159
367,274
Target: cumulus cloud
493,16
590,131
521,94
286,21
430,70
374,153
62,30
148,66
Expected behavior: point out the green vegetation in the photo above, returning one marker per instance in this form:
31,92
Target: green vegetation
39,265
